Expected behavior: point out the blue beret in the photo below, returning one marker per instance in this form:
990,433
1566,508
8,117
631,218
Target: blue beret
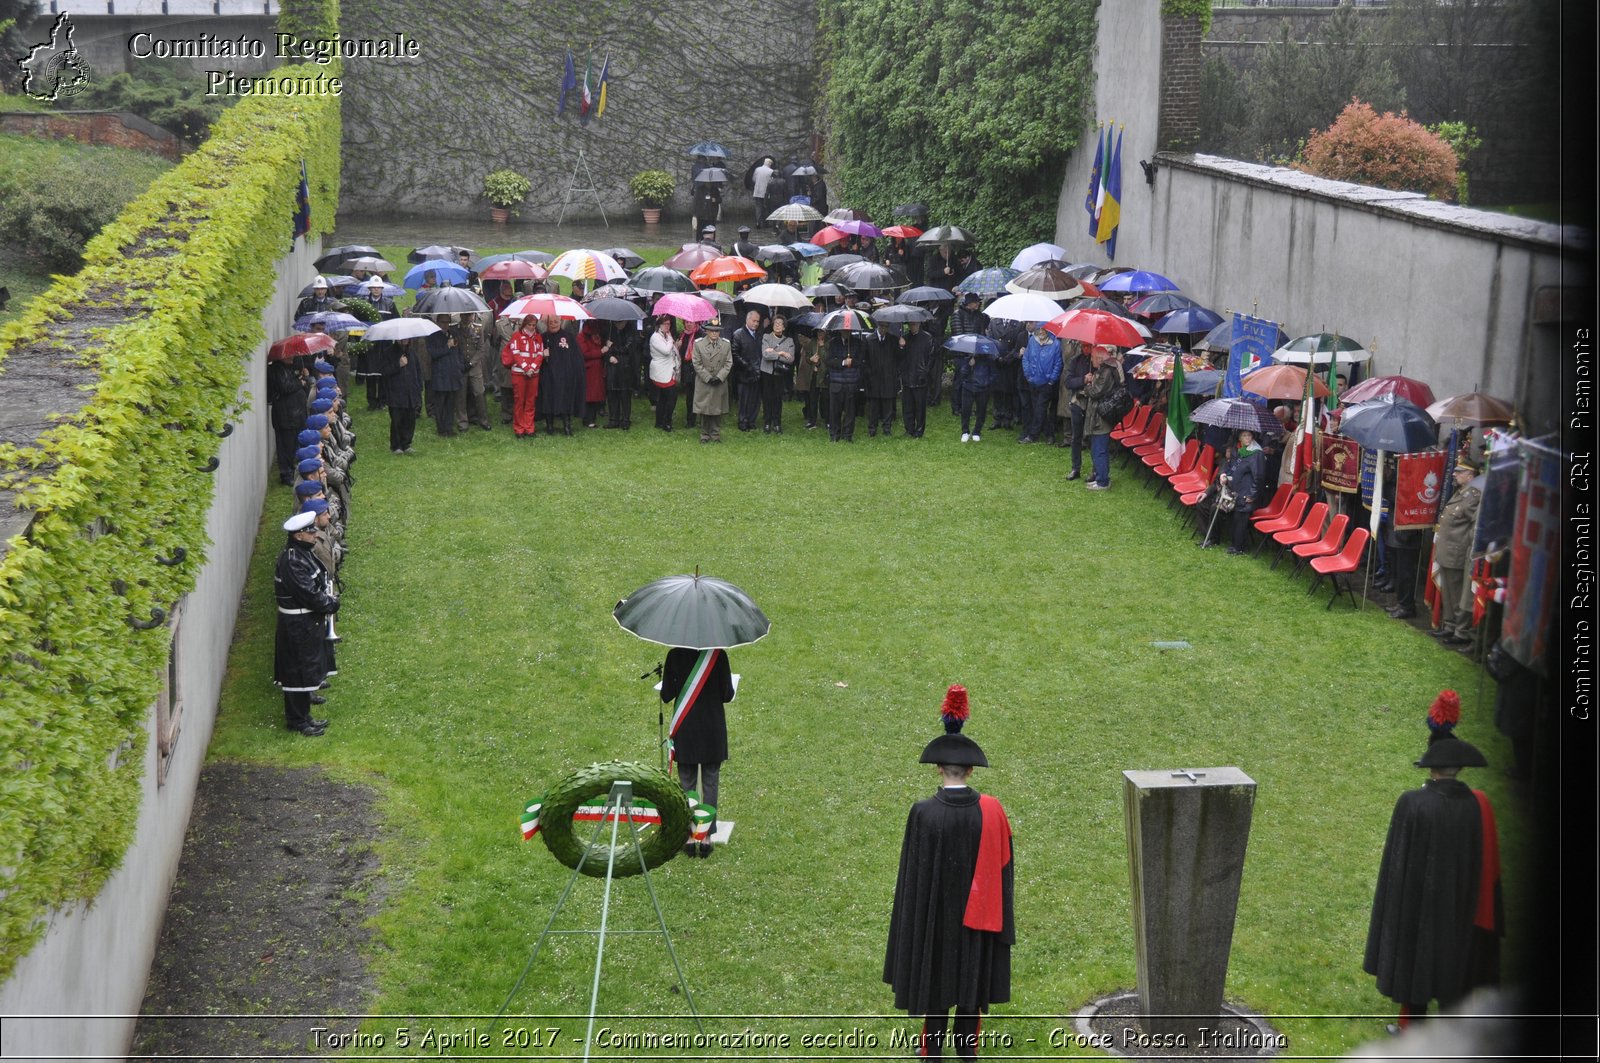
327,383
310,465
307,452
330,392
318,421
314,505
321,405
310,437
322,367
306,488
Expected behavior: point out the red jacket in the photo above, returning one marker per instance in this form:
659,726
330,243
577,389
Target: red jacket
524,353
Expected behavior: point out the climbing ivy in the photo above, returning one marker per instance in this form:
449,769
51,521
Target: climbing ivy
314,19
1196,9
971,107
162,321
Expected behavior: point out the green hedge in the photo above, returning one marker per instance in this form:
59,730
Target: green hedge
164,315
968,106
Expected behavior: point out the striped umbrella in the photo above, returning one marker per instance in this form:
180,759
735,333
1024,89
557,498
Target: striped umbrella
584,264
846,320
1321,347
1042,280
546,305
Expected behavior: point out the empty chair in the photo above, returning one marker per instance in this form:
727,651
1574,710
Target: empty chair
1134,423
1330,542
1274,509
1293,513
1335,565
1309,531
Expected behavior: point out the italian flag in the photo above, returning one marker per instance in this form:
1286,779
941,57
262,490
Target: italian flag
588,90
641,812
1179,427
701,817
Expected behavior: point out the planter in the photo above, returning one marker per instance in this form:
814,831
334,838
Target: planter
652,215
499,215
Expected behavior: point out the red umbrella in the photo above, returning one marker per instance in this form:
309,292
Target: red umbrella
690,257
828,235
1096,328
905,232
514,269
1389,388
300,344
726,268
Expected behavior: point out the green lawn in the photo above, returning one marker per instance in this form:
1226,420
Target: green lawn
481,664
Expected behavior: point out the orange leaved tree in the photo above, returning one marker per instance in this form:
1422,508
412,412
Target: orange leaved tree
1388,150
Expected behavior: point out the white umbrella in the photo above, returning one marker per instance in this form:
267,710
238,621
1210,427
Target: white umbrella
401,328
544,304
776,295
1023,307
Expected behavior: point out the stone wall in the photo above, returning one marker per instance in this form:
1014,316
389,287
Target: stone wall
419,136
114,129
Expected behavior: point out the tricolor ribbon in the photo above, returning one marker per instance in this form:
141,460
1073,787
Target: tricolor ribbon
642,812
530,817
701,817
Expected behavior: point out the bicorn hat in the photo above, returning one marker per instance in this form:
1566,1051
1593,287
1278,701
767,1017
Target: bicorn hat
1452,753
953,747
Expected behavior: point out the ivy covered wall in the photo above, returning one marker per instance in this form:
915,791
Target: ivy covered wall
969,106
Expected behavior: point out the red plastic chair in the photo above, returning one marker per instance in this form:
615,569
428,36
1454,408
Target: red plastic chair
1274,509
1132,424
1154,440
1147,434
1197,478
1293,514
1335,565
1308,532
1158,462
1330,542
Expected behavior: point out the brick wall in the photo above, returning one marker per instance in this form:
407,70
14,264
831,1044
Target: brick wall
116,129
1179,126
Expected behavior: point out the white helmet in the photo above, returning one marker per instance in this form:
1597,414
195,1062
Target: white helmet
320,282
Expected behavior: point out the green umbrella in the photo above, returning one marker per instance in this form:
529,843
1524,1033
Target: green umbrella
697,612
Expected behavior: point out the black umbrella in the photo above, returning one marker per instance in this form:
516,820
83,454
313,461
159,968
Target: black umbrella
1399,427
824,291
830,263
538,258
710,149
1101,302
1237,413
943,234
900,313
423,254
334,256
911,210
926,294
613,309
846,320
697,612
714,175
625,257
448,300
769,253
661,279
870,277
1202,382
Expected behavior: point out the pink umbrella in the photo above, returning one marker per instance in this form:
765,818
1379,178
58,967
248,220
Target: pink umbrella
514,269
546,306
1095,327
684,305
1389,388
690,257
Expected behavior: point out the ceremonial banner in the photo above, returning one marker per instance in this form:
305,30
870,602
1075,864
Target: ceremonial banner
1340,464
1497,513
1535,557
1417,482
1251,347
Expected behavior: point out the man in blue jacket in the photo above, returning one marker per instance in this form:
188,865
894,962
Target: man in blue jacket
1041,370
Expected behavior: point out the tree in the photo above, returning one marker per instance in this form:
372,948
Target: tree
1388,150
15,29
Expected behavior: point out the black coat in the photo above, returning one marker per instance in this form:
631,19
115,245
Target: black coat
839,349
1246,476
933,961
1421,943
562,381
300,656
883,369
286,391
402,384
702,737
446,366
746,355
916,360
624,373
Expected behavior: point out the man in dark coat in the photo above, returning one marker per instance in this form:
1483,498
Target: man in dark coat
698,683
303,589
286,393
844,380
446,375
916,370
951,931
621,352
746,342
402,391
562,384
1437,915
319,301
883,379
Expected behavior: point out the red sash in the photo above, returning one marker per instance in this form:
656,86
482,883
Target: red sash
986,900
1490,873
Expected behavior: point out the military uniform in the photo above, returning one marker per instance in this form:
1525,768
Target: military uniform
713,361
1452,545
302,657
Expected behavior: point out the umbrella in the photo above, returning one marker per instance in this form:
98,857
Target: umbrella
335,256
808,322
710,149
926,294
1161,303
1109,305
538,258
584,264
827,235
712,175
824,291
849,214
904,232
808,170
1221,338
1239,414
334,281
1138,281
1473,408
1034,254
1203,382
371,264
690,257
613,309
830,263
870,277
443,271
513,269
401,328
1282,382
1318,348
944,234
795,212
1080,270
1401,427
1157,364
902,313
1189,320
363,290
660,279
614,290
697,612
845,320
988,282
910,210
1389,388
1046,281
972,343
422,254
806,249
287,350
729,268
1096,328
1024,307
770,253
547,305
450,301
330,320
773,295
627,258
719,299
858,227
684,306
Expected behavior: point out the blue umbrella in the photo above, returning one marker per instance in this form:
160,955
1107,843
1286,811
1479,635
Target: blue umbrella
1400,427
709,148
1139,281
988,282
807,250
442,271
972,343
330,320
1189,320
1034,254
926,294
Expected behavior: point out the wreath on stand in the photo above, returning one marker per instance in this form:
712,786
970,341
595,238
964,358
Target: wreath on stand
660,814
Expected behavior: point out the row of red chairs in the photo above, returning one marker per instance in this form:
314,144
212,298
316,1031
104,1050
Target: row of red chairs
1290,519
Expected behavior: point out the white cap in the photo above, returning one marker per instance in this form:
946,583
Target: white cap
374,282
299,522
320,282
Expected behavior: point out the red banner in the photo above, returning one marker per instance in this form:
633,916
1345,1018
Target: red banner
1418,482
1340,462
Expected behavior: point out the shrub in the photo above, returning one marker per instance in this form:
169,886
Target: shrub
50,211
1388,150
651,188
506,188
168,92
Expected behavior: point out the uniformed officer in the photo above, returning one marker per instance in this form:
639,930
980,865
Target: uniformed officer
713,362
303,589
1452,546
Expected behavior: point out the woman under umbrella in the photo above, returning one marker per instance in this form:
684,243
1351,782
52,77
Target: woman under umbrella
594,352
621,348
562,388
1243,477
664,370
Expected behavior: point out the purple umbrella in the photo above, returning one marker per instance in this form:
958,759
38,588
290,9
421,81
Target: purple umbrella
856,227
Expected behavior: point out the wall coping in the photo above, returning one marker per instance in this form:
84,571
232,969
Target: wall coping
127,118
1413,207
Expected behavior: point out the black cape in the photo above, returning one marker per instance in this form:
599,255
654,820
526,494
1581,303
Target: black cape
703,737
562,381
934,962
1421,943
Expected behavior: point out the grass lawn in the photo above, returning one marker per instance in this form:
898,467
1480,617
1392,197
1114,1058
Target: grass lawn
481,664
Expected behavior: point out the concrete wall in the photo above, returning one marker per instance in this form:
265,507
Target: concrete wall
101,30
1441,293
94,960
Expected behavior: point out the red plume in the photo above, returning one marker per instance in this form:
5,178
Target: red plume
1445,711
955,704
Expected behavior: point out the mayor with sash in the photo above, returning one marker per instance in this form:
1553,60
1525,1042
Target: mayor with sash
698,683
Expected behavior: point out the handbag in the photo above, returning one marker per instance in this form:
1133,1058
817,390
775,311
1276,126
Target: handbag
1115,404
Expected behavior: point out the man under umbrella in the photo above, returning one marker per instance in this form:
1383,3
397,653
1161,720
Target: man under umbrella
698,683
951,930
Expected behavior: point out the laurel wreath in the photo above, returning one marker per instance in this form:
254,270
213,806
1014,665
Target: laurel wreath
594,782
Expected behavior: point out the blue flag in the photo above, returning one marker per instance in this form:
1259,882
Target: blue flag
569,83
1091,201
1111,205
1249,348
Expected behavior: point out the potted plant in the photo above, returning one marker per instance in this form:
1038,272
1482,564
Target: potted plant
652,188
505,190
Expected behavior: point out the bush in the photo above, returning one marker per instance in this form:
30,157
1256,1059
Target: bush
506,189
49,212
651,188
1389,151
168,92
